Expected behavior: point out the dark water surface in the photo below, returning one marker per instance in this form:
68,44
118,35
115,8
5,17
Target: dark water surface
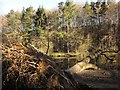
64,62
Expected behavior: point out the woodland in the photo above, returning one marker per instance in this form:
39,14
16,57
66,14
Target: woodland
74,46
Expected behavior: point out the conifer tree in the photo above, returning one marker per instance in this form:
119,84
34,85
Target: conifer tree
67,18
40,20
27,23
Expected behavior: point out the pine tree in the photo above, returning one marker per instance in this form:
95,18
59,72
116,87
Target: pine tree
40,20
27,18
67,18
27,23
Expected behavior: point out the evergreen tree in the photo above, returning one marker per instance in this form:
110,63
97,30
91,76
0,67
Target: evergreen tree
67,18
27,18
40,20
27,23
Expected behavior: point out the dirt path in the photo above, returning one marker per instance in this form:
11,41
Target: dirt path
97,78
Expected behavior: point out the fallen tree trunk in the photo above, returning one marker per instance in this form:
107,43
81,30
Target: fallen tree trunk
66,75
51,63
26,66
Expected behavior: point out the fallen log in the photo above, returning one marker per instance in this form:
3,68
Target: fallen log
18,66
52,64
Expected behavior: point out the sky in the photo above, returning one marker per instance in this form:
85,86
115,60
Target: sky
17,5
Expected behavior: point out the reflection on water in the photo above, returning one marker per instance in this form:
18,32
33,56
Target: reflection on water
65,62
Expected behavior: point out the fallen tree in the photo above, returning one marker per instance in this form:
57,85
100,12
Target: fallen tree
27,67
95,54
51,63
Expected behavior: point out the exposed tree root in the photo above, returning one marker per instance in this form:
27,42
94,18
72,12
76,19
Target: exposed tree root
27,67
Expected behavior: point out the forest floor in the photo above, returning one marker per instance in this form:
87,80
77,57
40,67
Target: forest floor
98,78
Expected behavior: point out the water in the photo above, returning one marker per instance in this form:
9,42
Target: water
65,62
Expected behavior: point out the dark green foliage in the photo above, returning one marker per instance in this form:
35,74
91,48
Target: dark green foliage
40,18
27,23
27,18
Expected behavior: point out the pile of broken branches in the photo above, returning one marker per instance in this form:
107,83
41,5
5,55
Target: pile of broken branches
27,67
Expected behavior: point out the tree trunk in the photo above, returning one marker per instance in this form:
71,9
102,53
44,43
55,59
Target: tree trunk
48,44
